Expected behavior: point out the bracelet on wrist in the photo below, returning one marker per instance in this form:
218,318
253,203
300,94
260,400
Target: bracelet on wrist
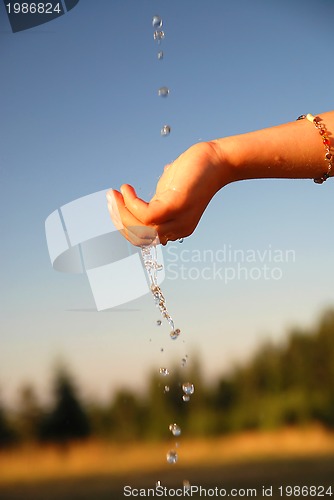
329,157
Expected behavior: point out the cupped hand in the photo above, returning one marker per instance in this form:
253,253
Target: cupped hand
182,194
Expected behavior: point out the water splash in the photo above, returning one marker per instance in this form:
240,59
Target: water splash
164,372
165,130
156,22
174,334
186,485
172,457
158,35
163,92
175,429
188,388
150,259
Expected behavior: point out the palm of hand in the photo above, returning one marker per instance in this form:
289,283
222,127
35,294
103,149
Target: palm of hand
182,194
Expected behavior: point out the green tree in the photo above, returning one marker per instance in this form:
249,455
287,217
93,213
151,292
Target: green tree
7,434
68,419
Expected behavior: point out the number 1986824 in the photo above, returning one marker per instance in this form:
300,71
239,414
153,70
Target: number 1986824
305,491
33,8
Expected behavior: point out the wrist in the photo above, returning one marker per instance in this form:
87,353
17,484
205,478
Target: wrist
229,160
260,154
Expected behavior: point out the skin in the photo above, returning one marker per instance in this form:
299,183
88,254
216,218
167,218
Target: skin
291,151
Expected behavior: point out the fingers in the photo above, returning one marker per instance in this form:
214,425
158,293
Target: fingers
134,229
135,204
130,227
152,213
115,201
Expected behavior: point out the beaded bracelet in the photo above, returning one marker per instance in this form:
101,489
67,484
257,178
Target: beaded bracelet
317,121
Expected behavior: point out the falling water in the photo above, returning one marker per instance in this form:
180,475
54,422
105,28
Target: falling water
150,259
149,256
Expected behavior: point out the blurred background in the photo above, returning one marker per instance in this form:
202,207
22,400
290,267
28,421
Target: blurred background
83,408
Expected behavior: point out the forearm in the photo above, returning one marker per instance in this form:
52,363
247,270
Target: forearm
293,150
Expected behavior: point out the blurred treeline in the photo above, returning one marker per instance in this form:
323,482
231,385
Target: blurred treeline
291,383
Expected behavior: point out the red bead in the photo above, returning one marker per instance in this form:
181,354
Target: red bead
326,141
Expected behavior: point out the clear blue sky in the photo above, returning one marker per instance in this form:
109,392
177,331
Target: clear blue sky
80,113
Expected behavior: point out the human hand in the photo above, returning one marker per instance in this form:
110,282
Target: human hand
182,194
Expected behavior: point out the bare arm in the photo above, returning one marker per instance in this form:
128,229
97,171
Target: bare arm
293,150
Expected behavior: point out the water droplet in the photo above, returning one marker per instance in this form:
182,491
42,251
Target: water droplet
159,322
162,349
158,35
183,362
172,457
181,240
164,371
186,398
175,429
175,333
149,264
188,388
166,389
186,485
156,22
160,55
165,130
171,322
163,92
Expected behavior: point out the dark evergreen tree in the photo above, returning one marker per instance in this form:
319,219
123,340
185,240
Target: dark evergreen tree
7,434
68,419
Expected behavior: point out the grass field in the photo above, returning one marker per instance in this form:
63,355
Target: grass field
100,471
